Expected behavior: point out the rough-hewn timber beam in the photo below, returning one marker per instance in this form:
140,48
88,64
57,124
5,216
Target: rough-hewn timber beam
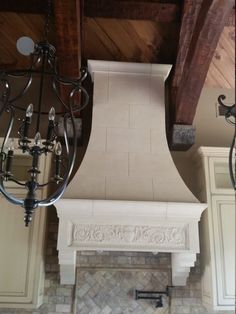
207,31
159,12
24,6
138,10
68,36
68,39
190,13
202,25
231,19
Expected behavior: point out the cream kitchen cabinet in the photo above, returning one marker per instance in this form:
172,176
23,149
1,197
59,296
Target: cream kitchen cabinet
217,229
22,248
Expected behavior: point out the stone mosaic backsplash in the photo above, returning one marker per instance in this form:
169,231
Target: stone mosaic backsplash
112,291
106,281
118,259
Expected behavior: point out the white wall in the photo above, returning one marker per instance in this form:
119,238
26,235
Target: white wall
211,130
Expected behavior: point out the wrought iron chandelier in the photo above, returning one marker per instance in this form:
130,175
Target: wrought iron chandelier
43,66
230,117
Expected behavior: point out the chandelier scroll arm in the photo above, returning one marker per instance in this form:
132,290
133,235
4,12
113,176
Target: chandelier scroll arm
47,183
52,65
24,90
77,109
16,181
66,81
220,100
57,93
230,111
18,74
84,74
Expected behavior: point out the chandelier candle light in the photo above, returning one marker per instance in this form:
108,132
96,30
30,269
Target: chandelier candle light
43,65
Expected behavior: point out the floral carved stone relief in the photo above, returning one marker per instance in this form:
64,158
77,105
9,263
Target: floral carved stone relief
160,236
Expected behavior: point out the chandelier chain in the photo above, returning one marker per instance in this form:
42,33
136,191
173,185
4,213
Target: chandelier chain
48,14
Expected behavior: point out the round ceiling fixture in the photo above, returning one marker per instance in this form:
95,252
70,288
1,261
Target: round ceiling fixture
25,45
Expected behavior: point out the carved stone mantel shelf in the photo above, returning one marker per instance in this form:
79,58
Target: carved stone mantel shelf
128,226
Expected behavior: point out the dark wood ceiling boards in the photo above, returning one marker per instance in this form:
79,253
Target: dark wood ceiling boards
130,40
138,40
221,72
24,6
12,27
182,33
132,31
104,39
133,10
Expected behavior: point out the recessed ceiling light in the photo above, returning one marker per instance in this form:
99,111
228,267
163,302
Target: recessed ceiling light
25,45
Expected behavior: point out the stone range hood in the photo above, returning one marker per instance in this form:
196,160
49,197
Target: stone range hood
127,194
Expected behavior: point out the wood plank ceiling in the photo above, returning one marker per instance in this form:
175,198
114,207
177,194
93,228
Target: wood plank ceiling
182,33
14,26
104,39
199,36
131,40
221,72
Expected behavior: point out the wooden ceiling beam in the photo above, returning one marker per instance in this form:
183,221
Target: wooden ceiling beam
201,27
231,19
190,14
68,36
209,25
68,40
167,11
24,6
133,10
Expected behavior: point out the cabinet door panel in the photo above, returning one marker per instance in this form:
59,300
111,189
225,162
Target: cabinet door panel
14,249
220,182
17,254
21,248
224,231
